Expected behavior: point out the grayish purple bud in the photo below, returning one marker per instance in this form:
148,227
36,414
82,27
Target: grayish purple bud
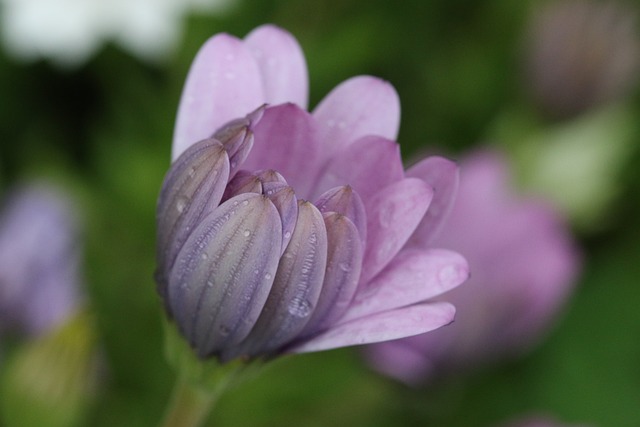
192,188
344,264
296,289
224,273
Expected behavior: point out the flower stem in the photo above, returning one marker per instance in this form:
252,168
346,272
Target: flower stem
190,405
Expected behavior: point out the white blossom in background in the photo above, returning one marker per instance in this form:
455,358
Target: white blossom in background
68,32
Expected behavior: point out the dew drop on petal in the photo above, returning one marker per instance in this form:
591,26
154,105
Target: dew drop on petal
267,276
344,267
247,233
204,256
448,275
182,203
287,235
300,308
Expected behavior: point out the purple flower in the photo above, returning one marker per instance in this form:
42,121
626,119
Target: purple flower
39,259
523,265
283,230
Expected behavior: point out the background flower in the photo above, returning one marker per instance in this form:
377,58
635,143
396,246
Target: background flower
523,266
40,254
70,31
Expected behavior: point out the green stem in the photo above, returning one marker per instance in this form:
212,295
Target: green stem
190,405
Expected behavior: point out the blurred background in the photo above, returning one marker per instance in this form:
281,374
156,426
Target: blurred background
89,92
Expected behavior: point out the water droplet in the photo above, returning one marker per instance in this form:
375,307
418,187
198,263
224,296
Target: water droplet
235,203
448,275
287,235
344,267
182,203
299,307
204,256
209,284
247,233
192,171
256,271
224,330
267,276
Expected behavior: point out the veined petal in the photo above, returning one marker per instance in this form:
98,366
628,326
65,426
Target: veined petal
285,200
286,141
224,83
386,326
243,182
344,264
282,65
224,273
367,165
443,175
295,290
413,276
237,138
360,106
192,188
392,216
347,202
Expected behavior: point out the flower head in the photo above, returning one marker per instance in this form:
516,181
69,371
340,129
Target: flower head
39,259
523,262
284,230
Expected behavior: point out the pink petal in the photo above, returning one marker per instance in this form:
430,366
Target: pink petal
223,84
392,216
282,65
357,107
285,140
390,325
413,276
441,174
367,165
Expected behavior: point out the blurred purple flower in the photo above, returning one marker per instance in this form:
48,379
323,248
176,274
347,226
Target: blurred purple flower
289,231
39,259
523,265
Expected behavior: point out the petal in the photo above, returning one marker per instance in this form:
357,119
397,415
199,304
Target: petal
357,107
295,290
243,182
344,264
443,175
192,188
286,141
413,276
390,325
224,273
285,200
223,83
347,202
237,138
282,65
392,216
367,165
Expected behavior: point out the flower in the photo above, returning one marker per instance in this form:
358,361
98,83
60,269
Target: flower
281,230
524,264
70,31
582,54
39,259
